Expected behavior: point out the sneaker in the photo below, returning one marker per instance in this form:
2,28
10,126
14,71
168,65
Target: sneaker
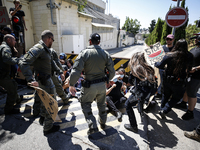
162,114
55,128
188,115
41,121
130,128
181,105
92,131
192,135
119,116
13,111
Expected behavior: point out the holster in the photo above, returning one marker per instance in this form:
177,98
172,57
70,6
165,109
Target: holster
85,83
42,77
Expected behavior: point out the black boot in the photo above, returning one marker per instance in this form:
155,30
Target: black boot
41,120
55,128
130,128
188,115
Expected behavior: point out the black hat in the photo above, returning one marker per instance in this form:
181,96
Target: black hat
7,29
95,37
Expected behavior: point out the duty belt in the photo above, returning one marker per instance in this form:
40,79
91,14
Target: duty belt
97,80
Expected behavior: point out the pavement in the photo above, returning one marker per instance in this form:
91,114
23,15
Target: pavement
23,131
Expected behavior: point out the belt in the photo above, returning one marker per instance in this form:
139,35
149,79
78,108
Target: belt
97,80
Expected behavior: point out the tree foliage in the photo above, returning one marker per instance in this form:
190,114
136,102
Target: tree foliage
166,30
156,34
152,25
131,26
190,30
81,4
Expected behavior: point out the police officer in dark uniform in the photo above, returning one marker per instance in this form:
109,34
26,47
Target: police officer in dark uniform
40,57
179,62
93,60
6,81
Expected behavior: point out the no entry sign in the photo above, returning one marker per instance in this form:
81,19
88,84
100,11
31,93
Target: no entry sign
176,17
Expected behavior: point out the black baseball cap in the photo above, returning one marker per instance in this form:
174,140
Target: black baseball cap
95,37
7,29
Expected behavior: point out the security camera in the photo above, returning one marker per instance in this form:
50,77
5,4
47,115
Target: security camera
57,5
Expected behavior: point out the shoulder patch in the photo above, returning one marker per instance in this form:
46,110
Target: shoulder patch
39,46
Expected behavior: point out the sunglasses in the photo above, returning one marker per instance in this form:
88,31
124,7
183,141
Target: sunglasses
51,38
169,39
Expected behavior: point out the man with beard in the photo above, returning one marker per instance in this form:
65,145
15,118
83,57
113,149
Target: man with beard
40,57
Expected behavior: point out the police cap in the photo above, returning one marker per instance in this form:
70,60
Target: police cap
95,37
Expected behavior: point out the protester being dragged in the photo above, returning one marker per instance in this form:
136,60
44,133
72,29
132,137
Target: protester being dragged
193,82
179,63
115,97
143,78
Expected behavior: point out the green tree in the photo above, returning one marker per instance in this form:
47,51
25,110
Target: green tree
152,25
81,4
180,32
190,30
166,30
131,26
156,34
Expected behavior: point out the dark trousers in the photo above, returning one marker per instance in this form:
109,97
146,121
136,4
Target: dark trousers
130,112
10,86
175,92
113,103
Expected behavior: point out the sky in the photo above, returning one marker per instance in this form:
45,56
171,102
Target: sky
146,10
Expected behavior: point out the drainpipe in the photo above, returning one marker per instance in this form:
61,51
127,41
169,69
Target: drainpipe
51,9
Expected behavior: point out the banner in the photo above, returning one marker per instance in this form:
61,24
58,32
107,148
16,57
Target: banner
49,102
4,18
155,53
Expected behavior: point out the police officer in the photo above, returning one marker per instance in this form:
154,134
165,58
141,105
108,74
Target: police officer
58,86
93,60
6,60
40,57
57,68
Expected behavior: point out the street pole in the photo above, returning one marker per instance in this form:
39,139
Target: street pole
174,29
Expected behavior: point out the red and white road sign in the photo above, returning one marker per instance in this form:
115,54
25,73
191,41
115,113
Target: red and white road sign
176,17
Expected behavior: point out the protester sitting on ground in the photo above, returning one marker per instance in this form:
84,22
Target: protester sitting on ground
193,83
115,97
143,78
62,58
69,66
195,134
179,63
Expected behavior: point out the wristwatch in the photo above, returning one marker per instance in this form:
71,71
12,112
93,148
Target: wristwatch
196,69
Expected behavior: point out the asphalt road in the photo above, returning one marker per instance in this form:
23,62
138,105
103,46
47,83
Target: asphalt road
23,132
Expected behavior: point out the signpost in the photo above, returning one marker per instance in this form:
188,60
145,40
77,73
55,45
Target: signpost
174,28
176,17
